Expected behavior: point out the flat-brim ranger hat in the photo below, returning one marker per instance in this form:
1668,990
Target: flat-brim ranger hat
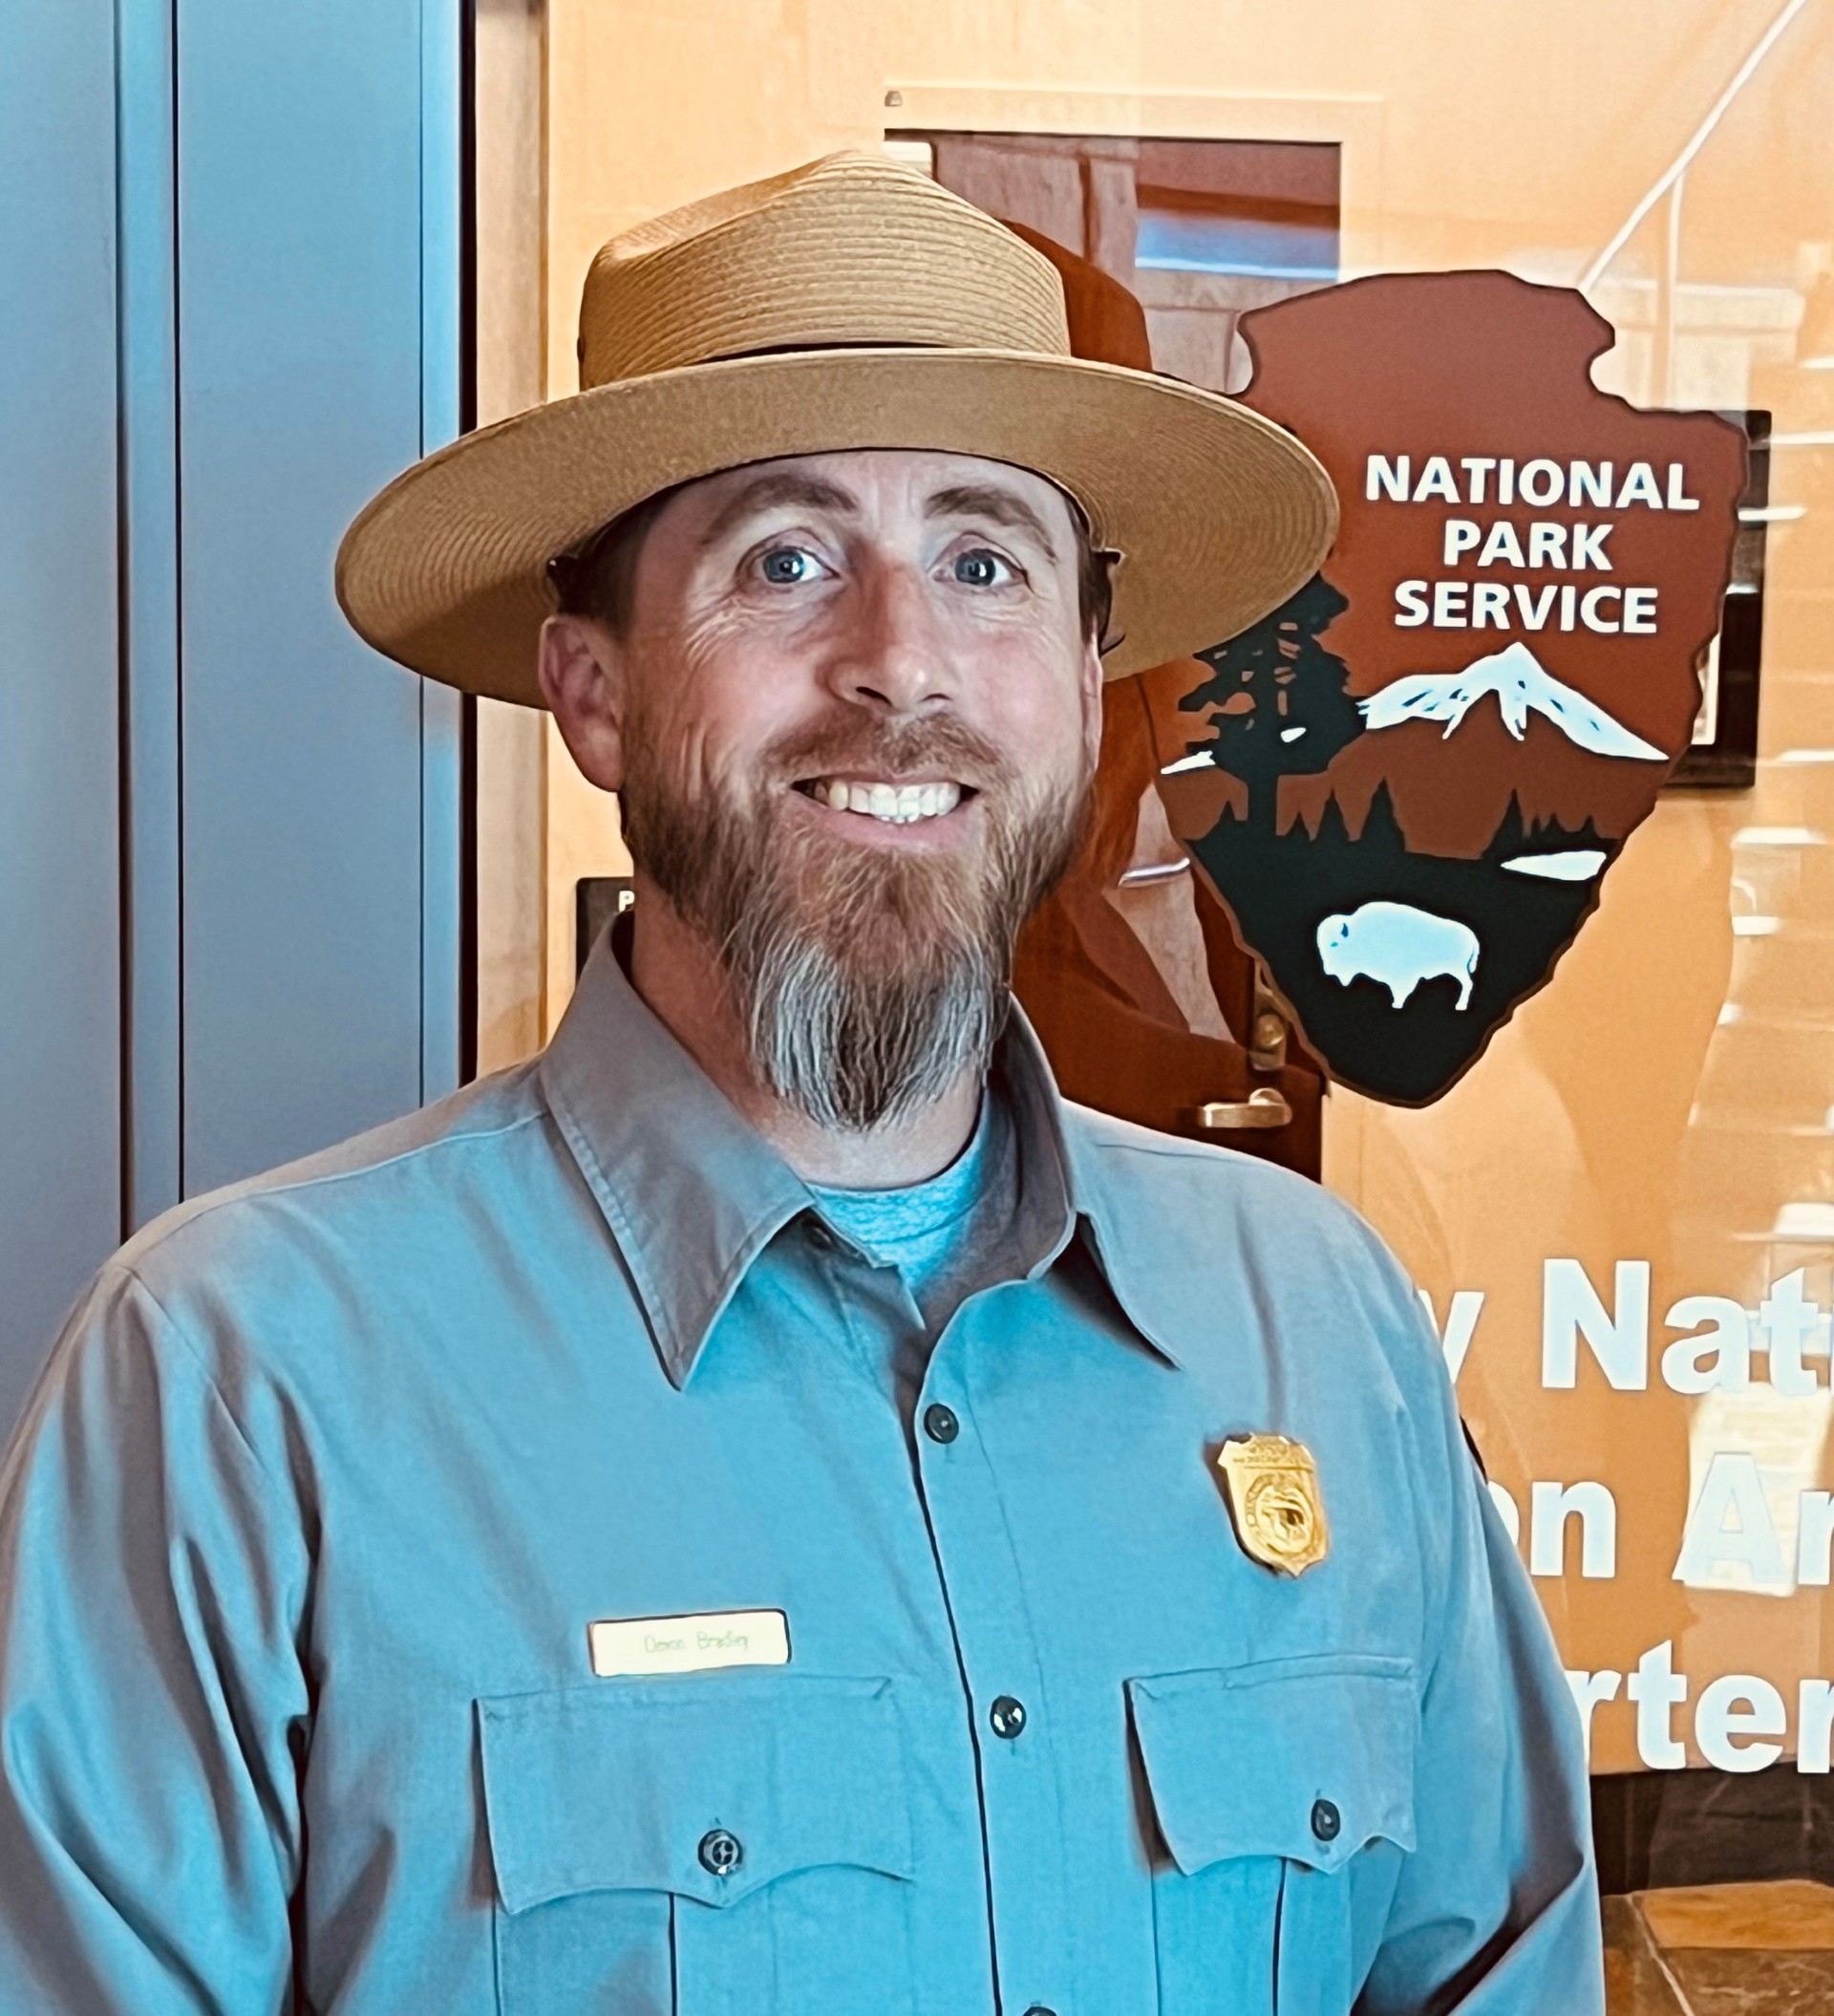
852,303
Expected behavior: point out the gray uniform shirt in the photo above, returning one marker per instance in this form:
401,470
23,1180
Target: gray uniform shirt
305,1531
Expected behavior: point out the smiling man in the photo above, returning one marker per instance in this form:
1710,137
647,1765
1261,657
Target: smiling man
850,703
765,1509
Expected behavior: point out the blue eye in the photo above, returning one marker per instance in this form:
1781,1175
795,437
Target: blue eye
784,565
980,569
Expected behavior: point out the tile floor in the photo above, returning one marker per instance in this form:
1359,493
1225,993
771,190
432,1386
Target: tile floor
1737,1949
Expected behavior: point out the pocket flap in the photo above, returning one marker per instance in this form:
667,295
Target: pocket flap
1306,1758
620,1787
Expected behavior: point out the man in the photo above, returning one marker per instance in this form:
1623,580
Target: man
765,1509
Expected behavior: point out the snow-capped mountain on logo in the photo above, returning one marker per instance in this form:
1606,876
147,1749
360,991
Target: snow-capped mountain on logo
1520,683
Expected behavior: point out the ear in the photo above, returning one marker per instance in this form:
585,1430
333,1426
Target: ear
584,682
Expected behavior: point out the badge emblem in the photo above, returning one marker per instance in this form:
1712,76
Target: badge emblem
1271,1484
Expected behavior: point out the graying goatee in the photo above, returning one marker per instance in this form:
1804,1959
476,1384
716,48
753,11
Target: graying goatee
868,979
867,1013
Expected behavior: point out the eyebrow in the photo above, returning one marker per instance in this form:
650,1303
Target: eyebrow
989,501
781,486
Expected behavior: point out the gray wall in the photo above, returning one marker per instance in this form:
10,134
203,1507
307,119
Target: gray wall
60,1004
229,833
300,371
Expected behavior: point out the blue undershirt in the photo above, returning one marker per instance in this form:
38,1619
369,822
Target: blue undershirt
947,1236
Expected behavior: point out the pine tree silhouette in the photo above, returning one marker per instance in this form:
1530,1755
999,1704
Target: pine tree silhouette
1381,839
1511,836
1517,834
1277,702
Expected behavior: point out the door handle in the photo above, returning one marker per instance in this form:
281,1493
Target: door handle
1263,1107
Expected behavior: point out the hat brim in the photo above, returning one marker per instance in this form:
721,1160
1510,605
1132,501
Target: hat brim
1219,515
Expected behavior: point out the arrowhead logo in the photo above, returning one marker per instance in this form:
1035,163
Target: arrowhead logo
1408,784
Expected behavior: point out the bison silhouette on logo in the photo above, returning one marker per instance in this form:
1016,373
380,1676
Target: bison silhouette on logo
1408,782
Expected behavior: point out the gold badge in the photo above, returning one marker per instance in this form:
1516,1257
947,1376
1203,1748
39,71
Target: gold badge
1272,1489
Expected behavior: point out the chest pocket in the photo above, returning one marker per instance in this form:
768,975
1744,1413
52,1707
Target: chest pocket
707,1845
1283,1794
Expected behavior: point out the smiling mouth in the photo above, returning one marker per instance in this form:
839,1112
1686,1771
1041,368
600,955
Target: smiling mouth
890,803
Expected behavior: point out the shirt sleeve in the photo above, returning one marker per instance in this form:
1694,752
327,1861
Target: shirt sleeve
1496,1909
152,1701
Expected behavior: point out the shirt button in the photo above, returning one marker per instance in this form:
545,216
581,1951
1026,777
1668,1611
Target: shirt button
940,1423
720,1851
821,1234
1327,1822
1007,1717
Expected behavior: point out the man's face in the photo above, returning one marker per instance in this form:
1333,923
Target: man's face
853,717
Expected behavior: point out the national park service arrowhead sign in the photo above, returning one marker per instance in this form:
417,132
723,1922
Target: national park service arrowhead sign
1408,782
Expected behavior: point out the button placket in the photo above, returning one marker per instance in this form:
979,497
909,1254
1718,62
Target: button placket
1021,1799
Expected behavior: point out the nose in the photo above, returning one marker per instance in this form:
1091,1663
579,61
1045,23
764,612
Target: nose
892,656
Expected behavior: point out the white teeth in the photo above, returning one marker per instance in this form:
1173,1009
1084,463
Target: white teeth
895,805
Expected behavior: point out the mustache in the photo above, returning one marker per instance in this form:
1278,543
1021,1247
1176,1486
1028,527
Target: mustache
940,746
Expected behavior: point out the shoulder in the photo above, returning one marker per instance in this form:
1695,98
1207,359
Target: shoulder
1147,1178
291,1283
381,1168
1195,1229
297,1249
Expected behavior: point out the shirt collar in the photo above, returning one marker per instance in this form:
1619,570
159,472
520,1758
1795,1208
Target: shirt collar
693,1192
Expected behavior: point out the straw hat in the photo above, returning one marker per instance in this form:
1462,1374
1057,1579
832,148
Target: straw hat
853,302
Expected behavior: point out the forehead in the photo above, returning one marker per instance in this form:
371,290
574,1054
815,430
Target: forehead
878,483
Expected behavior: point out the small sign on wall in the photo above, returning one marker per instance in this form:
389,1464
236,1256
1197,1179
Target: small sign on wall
596,900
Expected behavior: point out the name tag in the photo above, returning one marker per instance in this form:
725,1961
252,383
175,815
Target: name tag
689,1644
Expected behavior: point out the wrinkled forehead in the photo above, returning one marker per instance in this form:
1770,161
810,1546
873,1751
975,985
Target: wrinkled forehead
878,485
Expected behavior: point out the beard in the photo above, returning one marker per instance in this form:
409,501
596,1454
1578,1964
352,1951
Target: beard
868,979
